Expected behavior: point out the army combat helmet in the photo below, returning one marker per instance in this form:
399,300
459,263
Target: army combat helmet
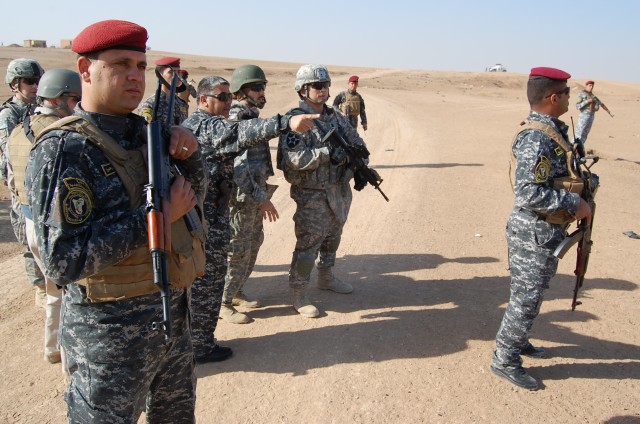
308,74
58,82
246,74
23,68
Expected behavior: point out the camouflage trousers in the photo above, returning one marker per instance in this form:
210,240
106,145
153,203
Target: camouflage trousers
34,274
353,120
318,233
119,366
247,235
206,292
585,121
531,242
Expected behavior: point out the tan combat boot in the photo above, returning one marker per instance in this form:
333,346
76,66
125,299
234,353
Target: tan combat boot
328,281
302,304
229,314
241,299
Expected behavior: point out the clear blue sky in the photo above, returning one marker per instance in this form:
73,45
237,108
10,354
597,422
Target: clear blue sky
589,39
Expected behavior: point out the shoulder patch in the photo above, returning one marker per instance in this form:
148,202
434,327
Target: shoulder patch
542,169
292,139
146,113
559,151
78,203
108,169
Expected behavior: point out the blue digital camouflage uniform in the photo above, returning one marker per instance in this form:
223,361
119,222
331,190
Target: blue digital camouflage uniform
11,115
355,103
319,188
251,170
221,141
180,109
587,114
85,224
531,239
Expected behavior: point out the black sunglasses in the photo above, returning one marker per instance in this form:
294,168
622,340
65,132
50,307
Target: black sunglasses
565,90
257,87
30,81
320,85
223,97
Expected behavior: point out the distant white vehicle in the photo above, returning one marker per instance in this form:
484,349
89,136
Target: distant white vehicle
497,68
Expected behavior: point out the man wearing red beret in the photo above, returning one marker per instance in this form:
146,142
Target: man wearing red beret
85,183
541,213
165,67
588,104
351,104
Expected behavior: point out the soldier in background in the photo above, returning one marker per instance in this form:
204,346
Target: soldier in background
85,183
23,76
58,93
351,104
190,92
250,200
165,67
588,104
319,178
538,222
221,141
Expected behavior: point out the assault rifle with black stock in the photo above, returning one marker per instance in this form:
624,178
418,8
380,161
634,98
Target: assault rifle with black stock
159,202
357,156
602,105
582,235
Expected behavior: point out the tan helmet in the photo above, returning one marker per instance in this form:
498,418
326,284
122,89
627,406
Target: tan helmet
311,73
23,68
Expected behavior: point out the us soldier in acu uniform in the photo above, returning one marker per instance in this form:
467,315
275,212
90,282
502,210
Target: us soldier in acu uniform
351,104
165,67
58,93
319,178
543,209
85,183
221,141
250,201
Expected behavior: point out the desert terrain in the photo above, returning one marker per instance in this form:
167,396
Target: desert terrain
412,343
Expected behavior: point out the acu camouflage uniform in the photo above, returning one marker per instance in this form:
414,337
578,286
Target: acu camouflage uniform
86,224
250,173
180,109
587,114
221,141
319,188
531,238
352,105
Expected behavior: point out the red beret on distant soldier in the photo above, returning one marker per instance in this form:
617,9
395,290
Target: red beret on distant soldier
354,78
589,83
551,73
110,34
174,62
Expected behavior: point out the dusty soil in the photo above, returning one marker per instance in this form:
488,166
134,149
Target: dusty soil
414,340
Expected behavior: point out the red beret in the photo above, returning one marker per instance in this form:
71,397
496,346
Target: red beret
110,34
552,73
168,61
589,82
354,78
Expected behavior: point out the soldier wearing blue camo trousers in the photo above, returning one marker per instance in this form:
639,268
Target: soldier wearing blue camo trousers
250,201
319,178
85,182
542,211
221,141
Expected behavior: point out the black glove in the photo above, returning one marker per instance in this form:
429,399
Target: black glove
338,156
360,181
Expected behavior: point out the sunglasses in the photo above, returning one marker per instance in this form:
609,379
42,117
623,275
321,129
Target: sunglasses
320,85
258,87
223,97
565,90
30,81
75,98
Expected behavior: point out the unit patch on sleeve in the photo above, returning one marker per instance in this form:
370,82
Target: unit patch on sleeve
78,203
292,139
542,169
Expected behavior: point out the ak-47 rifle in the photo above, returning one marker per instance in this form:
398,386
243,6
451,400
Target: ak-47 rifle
357,157
158,202
582,235
602,105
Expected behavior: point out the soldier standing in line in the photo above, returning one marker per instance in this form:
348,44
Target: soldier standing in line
165,67
23,76
588,104
351,104
250,201
58,93
190,91
221,141
319,178
538,222
85,183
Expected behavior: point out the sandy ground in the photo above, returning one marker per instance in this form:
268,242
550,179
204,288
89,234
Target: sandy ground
414,340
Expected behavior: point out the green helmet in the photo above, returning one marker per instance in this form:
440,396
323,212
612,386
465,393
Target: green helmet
23,68
246,74
311,73
56,82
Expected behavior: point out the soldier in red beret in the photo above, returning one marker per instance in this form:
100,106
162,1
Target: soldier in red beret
85,185
165,67
588,104
537,225
351,104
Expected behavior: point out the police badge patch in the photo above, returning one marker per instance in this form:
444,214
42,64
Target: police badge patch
292,139
78,203
542,170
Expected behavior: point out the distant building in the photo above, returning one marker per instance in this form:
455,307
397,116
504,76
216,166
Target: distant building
65,44
35,43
